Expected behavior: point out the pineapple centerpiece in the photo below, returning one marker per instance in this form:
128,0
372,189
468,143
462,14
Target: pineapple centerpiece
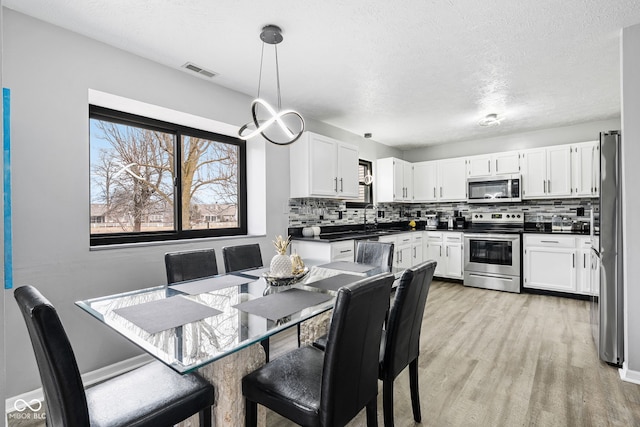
281,264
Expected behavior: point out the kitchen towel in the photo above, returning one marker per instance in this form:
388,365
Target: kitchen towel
281,304
163,314
201,286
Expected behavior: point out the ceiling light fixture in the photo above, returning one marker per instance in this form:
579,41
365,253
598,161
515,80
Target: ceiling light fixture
491,120
290,124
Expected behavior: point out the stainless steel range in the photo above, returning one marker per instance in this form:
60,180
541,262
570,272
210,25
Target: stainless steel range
492,251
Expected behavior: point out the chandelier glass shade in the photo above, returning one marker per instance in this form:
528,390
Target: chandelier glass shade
281,127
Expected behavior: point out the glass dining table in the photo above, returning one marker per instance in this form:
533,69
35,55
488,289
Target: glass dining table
214,325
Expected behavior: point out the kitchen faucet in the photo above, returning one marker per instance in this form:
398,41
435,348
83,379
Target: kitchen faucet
375,220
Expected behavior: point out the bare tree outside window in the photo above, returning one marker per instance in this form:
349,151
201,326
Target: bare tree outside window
136,186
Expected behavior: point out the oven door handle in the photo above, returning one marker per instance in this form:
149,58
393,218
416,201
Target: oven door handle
492,237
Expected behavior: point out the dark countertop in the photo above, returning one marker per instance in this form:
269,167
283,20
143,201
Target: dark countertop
349,235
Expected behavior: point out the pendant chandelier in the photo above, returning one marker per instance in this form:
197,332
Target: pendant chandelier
281,127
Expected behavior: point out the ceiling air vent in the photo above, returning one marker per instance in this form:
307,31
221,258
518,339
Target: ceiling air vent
199,70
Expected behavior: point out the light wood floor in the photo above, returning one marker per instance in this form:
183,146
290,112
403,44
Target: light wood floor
493,358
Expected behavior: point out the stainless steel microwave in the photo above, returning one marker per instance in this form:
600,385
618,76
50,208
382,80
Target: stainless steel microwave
494,189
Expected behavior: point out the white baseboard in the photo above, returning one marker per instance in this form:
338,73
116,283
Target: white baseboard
88,379
628,375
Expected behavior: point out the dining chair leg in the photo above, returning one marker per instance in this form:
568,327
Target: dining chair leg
265,345
387,402
205,417
413,384
250,413
372,413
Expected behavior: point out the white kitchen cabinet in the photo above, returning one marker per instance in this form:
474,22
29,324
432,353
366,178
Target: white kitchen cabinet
585,169
550,262
494,164
452,180
440,180
324,251
445,247
432,249
394,180
404,251
416,247
425,181
583,265
323,167
407,248
546,172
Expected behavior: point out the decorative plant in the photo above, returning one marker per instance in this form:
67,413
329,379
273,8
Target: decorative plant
412,224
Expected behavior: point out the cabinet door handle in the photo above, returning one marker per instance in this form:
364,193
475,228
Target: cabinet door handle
434,192
549,241
341,186
336,180
440,191
489,165
573,257
544,185
447,250
345,251
584,260
414,253
549,186
496,165
440,250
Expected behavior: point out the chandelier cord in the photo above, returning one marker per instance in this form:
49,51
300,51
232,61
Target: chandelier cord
278,79
260,74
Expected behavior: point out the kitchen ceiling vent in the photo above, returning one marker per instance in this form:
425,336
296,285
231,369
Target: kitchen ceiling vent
199,70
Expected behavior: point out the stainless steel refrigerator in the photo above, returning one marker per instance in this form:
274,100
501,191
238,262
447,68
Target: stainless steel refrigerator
607,306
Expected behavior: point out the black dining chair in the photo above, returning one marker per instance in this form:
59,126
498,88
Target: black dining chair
152,395
400,343
379,254
241,257
315,388
190,265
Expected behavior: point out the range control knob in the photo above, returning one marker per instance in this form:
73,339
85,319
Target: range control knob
518,215
507,215
476,216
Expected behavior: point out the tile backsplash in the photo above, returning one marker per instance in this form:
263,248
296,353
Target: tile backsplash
326,212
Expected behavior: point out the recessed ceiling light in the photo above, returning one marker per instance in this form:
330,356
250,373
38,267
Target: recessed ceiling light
491,120
368,135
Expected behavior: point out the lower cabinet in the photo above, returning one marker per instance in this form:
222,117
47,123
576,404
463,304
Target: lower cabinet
324,251
407,248
558,263
446,248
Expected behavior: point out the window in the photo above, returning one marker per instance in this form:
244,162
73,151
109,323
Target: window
153,180
365,187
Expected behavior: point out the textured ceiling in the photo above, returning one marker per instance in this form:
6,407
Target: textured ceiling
412,72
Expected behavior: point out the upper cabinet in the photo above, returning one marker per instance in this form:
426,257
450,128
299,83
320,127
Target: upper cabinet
546,172
496,164
440,180
323,167
585,169
394,180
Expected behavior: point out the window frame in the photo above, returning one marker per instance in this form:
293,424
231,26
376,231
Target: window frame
368,188
129,119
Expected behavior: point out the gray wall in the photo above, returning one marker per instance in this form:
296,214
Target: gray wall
540,138
631,196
